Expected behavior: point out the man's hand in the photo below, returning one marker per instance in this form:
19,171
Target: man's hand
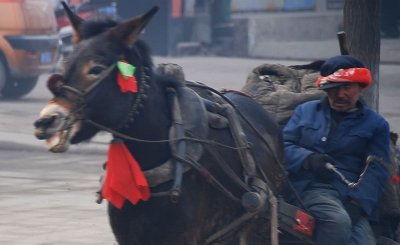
316,163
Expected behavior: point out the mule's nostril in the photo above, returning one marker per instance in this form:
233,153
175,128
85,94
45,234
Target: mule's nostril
44,122
37,123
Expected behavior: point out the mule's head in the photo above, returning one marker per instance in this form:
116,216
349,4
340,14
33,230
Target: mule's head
88,90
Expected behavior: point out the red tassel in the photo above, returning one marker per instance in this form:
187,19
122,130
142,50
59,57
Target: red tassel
127,83
124,179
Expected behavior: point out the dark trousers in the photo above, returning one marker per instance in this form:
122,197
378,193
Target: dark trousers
334,226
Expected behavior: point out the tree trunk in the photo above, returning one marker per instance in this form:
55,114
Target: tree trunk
362,28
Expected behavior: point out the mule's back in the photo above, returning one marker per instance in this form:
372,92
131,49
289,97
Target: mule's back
264,136
260,129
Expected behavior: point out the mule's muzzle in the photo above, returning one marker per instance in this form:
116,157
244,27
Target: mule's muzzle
46,126
41,125
55,129
45,122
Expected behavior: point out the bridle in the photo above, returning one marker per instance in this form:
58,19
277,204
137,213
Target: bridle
81,102
82,93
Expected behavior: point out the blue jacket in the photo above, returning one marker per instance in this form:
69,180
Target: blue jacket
358,135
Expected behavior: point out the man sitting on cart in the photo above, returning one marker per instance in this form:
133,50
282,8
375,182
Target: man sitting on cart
339,129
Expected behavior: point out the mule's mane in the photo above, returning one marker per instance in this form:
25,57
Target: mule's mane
143,49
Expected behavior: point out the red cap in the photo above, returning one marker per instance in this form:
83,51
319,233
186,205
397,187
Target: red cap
343,76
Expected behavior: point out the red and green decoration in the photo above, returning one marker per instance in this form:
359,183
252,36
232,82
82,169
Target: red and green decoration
126,79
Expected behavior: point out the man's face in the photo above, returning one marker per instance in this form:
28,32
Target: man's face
345,97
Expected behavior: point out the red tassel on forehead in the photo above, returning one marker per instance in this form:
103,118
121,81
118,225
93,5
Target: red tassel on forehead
125,77
127,84
124,178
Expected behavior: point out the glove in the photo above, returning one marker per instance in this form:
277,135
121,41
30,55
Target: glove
354,210
316,163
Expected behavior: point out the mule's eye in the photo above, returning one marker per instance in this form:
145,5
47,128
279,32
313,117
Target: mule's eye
95,71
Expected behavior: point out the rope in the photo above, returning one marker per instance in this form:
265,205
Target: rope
274,218
126,137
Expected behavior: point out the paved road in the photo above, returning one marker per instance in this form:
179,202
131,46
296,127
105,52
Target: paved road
48,199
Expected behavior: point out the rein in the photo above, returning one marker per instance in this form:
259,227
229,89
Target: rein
183,138
354,184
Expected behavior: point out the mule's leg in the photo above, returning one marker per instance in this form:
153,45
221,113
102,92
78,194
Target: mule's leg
119,225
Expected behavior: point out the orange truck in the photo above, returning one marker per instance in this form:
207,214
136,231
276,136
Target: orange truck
29,44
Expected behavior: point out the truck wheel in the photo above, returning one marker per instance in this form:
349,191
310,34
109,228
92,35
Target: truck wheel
14,89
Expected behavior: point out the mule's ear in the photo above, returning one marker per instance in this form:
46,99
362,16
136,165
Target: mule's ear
130,30
75,21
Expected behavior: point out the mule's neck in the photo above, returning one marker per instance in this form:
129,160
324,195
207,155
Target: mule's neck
152,123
